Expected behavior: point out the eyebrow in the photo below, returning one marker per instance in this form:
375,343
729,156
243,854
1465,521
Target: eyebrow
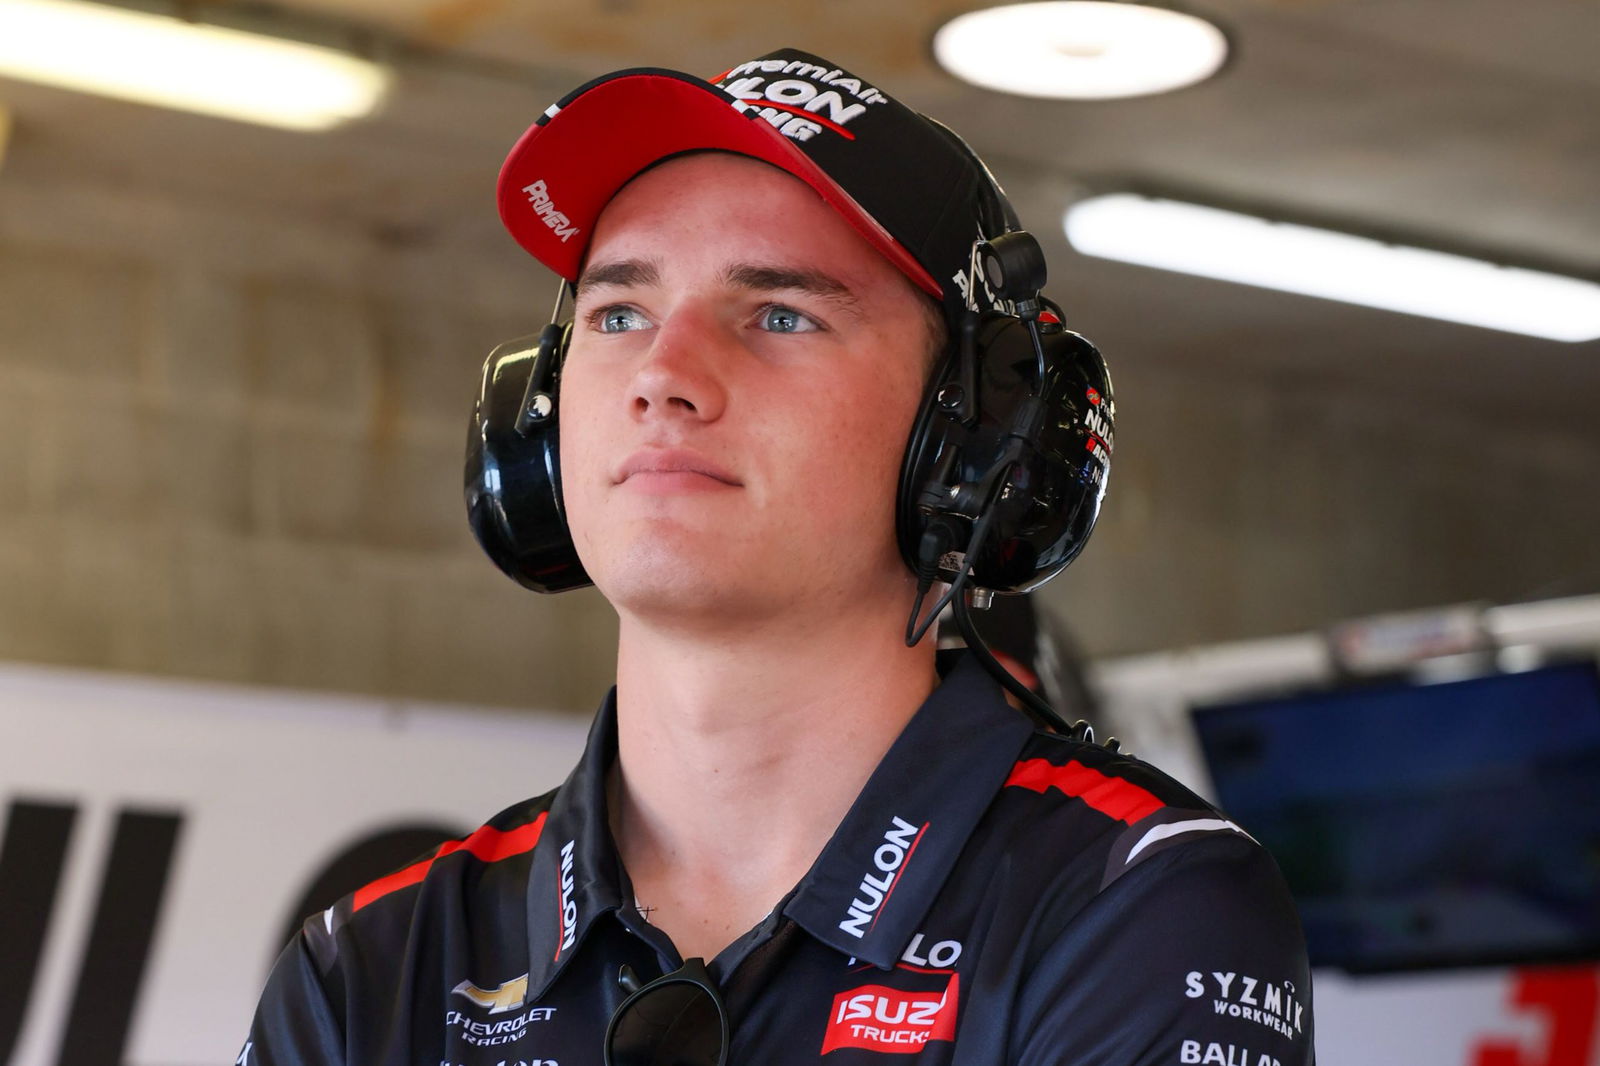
644,272
624,272
772,279
813,281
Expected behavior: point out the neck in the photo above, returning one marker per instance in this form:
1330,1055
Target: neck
740,752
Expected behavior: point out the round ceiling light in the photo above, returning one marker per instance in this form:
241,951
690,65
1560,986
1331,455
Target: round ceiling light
1080,49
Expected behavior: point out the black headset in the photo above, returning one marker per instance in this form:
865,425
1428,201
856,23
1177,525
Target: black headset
999,489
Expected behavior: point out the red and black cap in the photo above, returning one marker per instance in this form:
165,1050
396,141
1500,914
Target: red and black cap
908,185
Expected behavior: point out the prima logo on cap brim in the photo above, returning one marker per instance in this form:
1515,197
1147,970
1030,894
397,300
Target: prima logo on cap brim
539,199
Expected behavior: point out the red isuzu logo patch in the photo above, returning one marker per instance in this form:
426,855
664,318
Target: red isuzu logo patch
878,1018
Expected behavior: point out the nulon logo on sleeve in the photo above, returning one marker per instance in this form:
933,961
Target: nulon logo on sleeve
879,1018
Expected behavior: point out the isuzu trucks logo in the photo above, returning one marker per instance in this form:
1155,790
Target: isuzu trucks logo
802,99
879,1018
873,893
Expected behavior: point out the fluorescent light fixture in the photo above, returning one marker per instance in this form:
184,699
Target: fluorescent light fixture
162,60
1080,49
1336,266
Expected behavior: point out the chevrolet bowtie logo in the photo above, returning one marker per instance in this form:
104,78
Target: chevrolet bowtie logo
508,996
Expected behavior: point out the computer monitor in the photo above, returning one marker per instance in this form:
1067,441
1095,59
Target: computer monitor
1426,825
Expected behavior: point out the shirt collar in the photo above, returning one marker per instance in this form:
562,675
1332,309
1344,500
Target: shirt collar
576,875
870,889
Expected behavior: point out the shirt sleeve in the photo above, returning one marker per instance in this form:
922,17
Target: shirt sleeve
1193,958
295,1023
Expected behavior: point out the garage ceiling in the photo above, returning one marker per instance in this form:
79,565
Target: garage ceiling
1468,124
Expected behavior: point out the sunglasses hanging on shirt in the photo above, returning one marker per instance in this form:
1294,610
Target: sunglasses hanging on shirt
676,1020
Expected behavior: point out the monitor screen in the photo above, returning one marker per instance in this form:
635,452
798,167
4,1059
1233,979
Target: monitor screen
1426,825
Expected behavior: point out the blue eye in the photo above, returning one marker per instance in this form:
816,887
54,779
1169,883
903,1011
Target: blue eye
620,320
780,319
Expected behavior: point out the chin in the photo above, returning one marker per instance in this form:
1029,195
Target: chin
668,573
686,603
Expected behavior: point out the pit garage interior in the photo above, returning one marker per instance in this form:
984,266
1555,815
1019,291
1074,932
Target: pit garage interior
237,362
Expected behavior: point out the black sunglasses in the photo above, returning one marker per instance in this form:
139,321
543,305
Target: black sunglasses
676,1020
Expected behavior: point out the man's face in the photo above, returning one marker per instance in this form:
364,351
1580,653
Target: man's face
743,375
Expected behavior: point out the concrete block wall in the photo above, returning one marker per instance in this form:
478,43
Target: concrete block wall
231,446
1242,508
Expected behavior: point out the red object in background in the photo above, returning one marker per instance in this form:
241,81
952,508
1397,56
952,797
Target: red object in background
1567,1000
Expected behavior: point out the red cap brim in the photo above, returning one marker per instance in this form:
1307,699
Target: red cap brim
564,170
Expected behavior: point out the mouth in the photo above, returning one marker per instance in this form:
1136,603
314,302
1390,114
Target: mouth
673,468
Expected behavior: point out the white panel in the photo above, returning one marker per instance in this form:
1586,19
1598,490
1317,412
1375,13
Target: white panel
271,786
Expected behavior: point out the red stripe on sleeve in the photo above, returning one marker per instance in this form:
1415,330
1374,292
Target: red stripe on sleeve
1111,796
486,845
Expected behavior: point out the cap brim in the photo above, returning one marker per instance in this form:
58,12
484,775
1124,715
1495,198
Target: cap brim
564,170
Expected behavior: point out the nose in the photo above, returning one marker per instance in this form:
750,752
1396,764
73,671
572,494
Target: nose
682,376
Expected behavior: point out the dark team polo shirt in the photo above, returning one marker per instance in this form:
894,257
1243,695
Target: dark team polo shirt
995,895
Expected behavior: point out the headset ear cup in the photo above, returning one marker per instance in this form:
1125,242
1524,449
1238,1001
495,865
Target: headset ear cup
512,477
1043,518
928,462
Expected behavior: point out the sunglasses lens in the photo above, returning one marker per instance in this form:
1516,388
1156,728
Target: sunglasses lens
673,1024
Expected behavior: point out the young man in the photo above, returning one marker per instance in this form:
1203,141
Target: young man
881,860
